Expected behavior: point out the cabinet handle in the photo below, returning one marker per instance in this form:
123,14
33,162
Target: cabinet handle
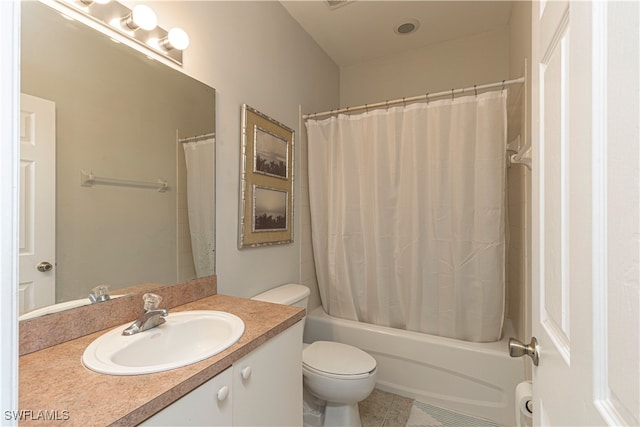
246,373
223,393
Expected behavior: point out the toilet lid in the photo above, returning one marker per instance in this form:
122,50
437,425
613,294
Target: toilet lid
337,358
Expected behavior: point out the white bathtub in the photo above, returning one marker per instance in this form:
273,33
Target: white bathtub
477,379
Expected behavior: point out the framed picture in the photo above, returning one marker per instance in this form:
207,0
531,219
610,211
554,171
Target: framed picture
266,186
270,154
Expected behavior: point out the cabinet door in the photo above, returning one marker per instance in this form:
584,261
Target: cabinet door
267,383
208,405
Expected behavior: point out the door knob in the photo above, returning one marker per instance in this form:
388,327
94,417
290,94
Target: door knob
518,349
45,266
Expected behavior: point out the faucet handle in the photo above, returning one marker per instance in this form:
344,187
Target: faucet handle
151,301
99,294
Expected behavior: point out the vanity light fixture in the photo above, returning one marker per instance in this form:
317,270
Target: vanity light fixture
137,27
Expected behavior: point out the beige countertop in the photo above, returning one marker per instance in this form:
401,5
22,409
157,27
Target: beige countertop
54,384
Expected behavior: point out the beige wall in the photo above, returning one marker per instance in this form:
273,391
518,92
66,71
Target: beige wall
478,59
253,53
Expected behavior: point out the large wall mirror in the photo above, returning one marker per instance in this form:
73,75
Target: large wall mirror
121,116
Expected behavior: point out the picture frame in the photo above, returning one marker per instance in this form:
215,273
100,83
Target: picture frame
266,182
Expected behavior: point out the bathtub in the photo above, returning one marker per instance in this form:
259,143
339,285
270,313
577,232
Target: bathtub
477,379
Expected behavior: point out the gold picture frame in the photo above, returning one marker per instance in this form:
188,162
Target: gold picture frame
266,183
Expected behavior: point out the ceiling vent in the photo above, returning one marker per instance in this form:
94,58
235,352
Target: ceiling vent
407,26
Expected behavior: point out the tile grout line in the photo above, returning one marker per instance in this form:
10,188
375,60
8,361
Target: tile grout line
386,414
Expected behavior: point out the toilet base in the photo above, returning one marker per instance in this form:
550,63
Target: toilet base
313,410
338,415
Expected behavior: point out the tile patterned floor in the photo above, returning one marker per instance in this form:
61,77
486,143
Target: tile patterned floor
425,415
383,409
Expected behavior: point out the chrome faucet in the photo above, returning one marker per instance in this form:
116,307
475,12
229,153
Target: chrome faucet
150,318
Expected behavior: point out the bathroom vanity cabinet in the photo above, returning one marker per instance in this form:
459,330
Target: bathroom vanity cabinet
263,388
271,346
207,405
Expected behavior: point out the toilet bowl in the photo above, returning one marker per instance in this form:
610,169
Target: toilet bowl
341,375
338,374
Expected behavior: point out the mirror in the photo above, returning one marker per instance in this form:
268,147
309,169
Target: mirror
122,116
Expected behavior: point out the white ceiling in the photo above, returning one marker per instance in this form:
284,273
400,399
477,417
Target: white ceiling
361,30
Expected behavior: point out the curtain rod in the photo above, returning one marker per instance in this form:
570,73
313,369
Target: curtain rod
451,92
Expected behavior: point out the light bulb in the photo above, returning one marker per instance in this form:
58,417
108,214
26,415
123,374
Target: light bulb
140,17
176,39
144,17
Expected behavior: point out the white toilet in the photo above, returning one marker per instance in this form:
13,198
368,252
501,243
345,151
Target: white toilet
338,374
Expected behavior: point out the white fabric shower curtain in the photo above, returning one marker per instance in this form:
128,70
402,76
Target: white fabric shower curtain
200,159
408,215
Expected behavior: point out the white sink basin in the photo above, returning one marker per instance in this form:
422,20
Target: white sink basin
187,337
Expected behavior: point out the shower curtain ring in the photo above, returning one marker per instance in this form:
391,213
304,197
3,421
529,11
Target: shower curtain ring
366,107
452,94
475,90
427,98
503,85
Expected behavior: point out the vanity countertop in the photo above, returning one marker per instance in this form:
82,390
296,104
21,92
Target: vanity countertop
56,388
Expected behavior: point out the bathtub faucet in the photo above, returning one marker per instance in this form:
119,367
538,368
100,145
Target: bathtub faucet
150,318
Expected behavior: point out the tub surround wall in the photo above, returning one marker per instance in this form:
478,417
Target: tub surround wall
46,331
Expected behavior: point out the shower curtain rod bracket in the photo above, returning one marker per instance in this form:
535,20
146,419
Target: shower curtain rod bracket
522,158
514,145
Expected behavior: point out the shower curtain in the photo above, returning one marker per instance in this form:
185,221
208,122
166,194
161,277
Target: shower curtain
408,215
200,159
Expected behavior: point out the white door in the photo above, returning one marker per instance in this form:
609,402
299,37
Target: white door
37,203
585,234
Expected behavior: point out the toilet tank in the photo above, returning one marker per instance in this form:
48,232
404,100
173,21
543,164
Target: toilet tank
291,294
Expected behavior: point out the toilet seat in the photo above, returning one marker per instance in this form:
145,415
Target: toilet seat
309,370
337,360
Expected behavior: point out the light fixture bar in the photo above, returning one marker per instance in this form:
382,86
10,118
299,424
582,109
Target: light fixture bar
111,14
